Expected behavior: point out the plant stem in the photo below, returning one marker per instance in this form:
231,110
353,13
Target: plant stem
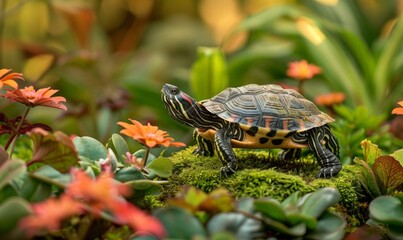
146,157
17,132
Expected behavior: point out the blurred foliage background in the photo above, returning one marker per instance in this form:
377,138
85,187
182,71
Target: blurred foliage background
110,58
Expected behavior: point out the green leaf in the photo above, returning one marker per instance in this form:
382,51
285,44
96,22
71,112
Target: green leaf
10,170
90,148
180,224
34,190
11,211
387,210
368,179
295,231
54,149
238,224
271,208
389,173
144,187
398,155
121,147
370,151
161,166
128,174
329,227
37,66
50,175
317,202
209,73
142,154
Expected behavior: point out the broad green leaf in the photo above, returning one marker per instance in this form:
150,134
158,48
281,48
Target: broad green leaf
121,147
295,231
161,166
34,190
370,151
398,155
271,208
144,187
37,66
209,73
54,149
320,200
10,170
179,223
50,175
11,211
241,226
330,227
128,174
90,148
389,173
387,210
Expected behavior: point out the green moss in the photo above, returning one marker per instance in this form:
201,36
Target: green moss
260,174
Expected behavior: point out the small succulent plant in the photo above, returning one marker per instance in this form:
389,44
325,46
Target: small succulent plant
294,218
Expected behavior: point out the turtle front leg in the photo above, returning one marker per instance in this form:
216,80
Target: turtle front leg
204,146
328,161
225,152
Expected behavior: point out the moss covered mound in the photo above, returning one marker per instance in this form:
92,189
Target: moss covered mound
260,174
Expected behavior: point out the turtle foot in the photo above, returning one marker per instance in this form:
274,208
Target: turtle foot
328,172
229,169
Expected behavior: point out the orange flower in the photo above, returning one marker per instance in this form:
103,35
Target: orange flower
48,215
398,110
149,135
43,97
302,70
7,78
100,194
330,99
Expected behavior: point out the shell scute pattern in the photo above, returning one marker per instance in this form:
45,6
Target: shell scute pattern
267,106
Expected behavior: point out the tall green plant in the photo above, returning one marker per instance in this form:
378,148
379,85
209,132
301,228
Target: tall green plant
367,69
209,73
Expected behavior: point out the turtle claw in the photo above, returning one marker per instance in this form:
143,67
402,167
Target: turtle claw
226,172
329,172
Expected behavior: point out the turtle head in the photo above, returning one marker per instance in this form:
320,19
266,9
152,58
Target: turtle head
178,103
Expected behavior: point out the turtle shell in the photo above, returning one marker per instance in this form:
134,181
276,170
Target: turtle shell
267,106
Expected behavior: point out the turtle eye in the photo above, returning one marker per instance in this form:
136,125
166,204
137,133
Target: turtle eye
175,90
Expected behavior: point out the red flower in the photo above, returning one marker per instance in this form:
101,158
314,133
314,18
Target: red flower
43,97
100,194
398,110
149,135
138,220
301,70
7,78
330,99
48,215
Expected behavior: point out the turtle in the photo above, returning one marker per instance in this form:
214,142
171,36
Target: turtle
256,116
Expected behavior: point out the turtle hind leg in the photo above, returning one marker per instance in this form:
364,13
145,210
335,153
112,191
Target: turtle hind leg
225,152
328,161
204,146
331,141
289,154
